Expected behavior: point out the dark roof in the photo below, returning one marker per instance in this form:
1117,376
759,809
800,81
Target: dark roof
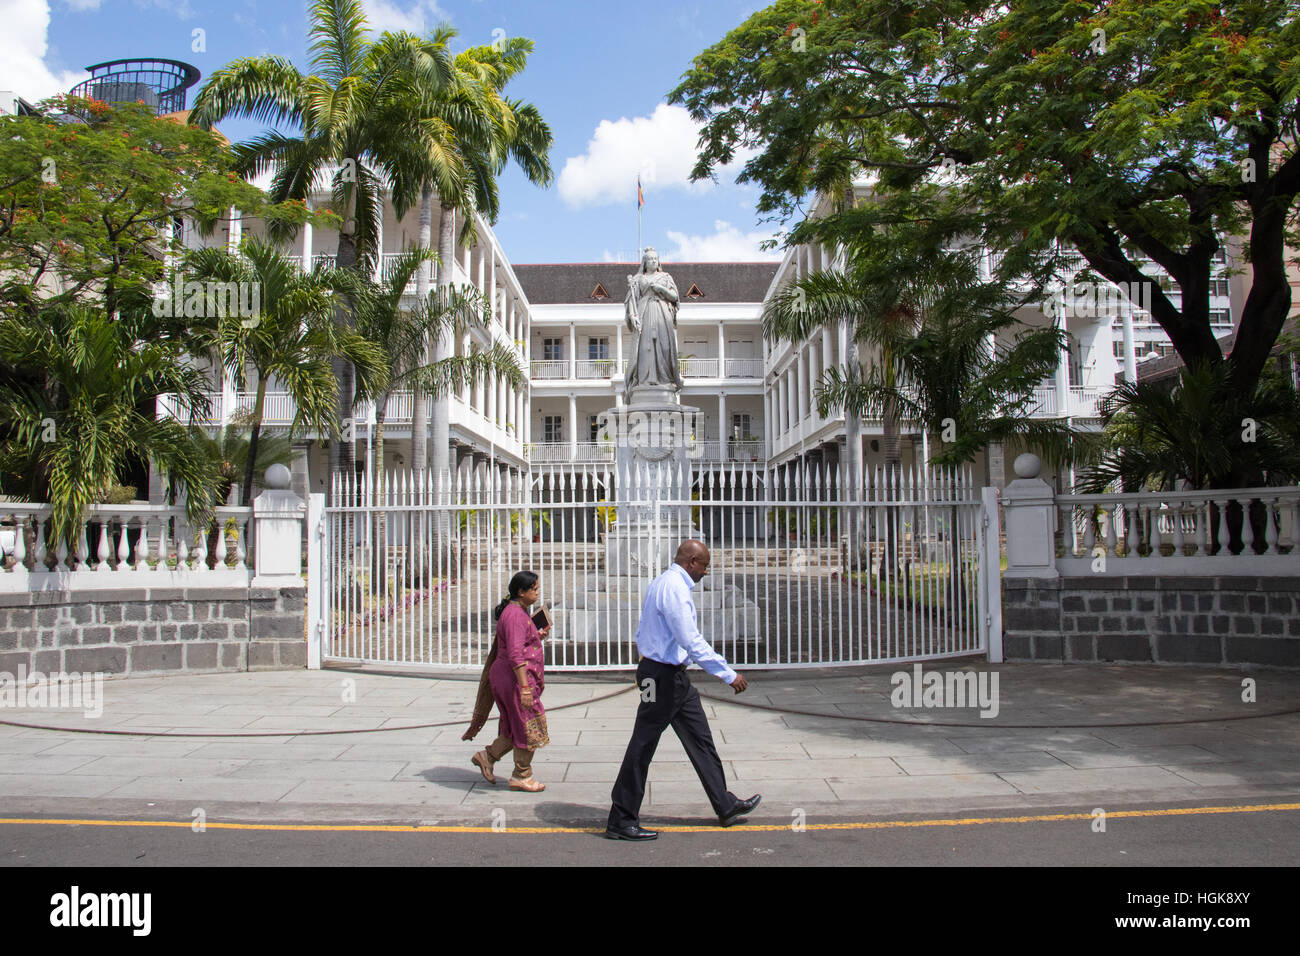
1170,366
573,282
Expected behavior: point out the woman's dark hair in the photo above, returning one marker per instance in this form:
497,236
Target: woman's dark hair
521,582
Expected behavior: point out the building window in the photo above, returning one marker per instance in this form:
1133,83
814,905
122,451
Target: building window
552,429
599,292
598,348
553,350
1118,347
1220,317
1219,285
694,292
1075,368
593,428
742,427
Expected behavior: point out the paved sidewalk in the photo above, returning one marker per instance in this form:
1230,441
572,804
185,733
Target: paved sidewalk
1036,752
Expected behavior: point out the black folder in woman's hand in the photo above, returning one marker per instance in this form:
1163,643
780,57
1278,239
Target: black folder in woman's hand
542,618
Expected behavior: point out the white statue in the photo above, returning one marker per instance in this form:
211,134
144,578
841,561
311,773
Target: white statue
651,310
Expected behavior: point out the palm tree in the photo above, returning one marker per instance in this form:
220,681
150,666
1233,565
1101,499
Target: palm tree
294,338
1201,434
468,132
228,451
932,322
340,109
402,333
82,410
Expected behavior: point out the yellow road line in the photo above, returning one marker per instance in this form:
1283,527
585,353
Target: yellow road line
746,828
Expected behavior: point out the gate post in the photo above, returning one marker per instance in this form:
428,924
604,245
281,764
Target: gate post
990,588
316,562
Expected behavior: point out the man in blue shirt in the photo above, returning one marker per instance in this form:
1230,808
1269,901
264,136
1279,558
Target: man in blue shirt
669,639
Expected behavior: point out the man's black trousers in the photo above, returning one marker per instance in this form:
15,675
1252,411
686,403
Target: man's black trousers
675,703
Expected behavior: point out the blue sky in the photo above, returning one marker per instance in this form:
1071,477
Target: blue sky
599,74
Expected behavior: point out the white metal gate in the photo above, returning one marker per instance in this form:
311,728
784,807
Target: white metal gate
806,570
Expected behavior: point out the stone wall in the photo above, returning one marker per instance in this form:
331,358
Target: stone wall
1220,620
153,630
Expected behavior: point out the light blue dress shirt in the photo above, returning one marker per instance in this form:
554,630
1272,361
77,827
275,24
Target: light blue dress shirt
668,632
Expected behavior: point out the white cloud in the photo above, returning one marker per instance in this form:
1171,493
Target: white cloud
80,5
418,17
727,244
660,148
23,45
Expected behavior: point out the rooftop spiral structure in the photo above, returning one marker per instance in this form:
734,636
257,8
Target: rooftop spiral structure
160,84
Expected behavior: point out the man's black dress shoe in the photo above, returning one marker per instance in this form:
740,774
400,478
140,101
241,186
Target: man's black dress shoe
630,833
740,809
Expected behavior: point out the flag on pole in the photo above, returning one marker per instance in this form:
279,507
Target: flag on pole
640,197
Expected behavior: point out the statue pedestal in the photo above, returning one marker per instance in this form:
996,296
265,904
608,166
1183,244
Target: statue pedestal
655,444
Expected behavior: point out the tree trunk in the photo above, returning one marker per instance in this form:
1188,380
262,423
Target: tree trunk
343,451
251,465
442,347
380,563
420,400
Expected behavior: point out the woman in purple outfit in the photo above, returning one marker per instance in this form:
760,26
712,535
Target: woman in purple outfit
513,677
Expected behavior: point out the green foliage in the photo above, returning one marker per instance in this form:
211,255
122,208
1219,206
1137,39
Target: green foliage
228,450
294,337
928,318
76,407
1112,127
1202,432
90,204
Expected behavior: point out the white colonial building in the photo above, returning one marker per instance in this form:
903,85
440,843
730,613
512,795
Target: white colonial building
565,325
1109,339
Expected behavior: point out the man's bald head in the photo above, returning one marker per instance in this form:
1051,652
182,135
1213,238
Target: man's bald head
693,556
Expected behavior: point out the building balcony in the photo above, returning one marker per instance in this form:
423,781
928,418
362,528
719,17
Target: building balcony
1080,403
590,452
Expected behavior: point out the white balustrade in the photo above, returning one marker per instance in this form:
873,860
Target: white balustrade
1181,532
550,369
594,368
123,546
744,368
699,367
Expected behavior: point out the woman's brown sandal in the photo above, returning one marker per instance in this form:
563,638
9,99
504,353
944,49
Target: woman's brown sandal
531,784
484,764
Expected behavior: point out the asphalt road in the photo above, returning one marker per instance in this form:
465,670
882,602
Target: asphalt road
1152,836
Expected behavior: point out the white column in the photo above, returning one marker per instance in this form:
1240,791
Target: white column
1063,376
573,351
379,242
492,286
618,354
573,426
306,245
236,230
724,425
828,349
1130,348
785,402
722,351
800,386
